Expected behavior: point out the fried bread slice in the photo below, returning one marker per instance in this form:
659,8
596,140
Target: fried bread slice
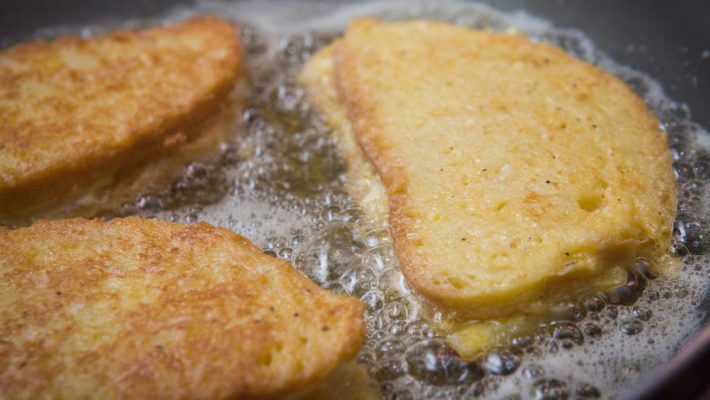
514,174
143,308
77,114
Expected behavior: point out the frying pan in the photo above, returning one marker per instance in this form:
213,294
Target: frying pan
669,40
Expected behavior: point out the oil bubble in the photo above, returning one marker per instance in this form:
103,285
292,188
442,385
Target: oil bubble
641,313
502,363
550,389
533,371
631,327
591,329
587,391
433,362
567,333
389,369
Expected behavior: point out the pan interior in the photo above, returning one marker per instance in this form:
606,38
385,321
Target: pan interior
281,184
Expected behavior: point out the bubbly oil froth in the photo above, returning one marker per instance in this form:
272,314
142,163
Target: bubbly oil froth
281,184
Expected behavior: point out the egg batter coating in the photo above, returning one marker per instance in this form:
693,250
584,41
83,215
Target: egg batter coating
513,175
79,115
143,308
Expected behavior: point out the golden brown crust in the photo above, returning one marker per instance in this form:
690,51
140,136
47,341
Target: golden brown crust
574,176
138,308
74,111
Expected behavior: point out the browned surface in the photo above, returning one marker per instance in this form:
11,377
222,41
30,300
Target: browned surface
75,111
138,308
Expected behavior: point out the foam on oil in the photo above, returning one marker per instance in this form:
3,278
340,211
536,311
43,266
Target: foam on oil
281,184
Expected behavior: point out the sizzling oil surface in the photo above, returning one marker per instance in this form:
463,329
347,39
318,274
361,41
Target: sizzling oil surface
281,183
